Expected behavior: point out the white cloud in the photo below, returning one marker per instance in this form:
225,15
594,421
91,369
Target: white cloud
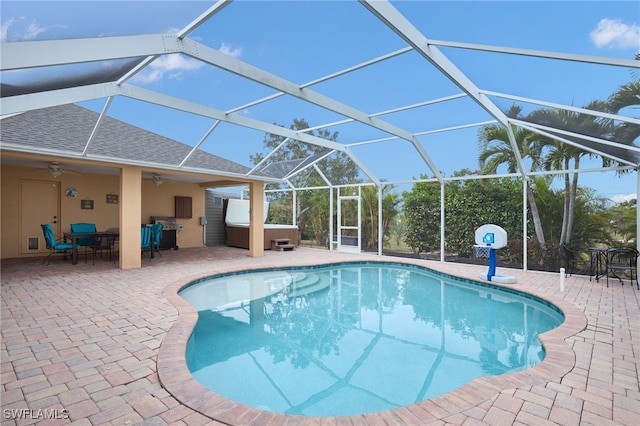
615,33
32,31
171,66
16,29
4,28
621,198
175,62
175,65
147,76
227,50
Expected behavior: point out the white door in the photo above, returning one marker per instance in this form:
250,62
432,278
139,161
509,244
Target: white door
39,204
349,233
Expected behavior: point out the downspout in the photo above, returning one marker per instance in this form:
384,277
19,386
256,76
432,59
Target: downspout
380,230
331,230
294,210
524,223
442,221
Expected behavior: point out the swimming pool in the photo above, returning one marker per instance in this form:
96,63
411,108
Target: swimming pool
358,337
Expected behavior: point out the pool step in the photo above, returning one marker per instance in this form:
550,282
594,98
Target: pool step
310,284
282,244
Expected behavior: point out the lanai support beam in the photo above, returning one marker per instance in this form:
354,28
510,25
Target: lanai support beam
256,219
63,52
442,221
130,206
525,206
380,230
391,17
97,126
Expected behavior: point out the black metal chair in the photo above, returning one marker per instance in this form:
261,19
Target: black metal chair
113,235
101,243
574,261
622,260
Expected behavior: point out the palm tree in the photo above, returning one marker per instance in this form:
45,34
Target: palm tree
559,157
626,96
496,150
390,201
623,221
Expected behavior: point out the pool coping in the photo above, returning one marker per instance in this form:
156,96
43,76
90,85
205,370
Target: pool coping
176,378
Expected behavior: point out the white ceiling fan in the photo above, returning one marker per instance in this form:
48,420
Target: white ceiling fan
55,170
158,179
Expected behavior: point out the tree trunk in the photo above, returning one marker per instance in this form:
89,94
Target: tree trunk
567,196
299,220
373,227
535,215
572,201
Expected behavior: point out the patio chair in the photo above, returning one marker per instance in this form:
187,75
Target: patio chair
156,230
54,246
114,232
145,239
87,242
622,260
101,243
574,261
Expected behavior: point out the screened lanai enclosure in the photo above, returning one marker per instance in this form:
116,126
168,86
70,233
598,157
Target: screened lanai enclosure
338,106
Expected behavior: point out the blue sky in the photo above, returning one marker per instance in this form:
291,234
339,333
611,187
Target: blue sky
302,41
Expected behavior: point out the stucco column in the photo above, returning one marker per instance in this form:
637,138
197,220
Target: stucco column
256,219
130,208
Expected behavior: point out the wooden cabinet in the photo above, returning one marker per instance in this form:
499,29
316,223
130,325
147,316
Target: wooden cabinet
183,207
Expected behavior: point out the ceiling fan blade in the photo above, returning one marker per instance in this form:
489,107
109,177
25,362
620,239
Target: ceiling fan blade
71,172
55,169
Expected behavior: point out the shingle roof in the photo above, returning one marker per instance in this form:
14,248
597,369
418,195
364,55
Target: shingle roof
68,128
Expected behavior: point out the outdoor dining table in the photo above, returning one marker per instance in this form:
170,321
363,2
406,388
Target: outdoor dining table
597,268
74,236
600,259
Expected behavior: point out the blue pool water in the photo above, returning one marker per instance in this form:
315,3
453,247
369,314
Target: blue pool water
356,338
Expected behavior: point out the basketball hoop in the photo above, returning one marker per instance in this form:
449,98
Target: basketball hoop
481,251
488,239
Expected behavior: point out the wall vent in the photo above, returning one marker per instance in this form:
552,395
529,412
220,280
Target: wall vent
33,243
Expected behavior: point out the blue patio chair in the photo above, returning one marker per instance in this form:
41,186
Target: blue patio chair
145,239
156,230
55,246
88,242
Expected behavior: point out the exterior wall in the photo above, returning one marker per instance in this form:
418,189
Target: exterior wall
156,201
215,218
160,201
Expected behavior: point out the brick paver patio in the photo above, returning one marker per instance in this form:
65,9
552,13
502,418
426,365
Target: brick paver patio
97,345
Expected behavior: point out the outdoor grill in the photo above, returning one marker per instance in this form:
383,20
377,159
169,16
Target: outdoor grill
169,231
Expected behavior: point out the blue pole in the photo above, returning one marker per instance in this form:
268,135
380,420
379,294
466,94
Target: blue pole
492,264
